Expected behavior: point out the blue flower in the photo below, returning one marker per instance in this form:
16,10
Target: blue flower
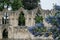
39,25
46,34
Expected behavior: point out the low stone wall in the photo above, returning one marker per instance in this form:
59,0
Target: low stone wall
24,34
17,33
26,39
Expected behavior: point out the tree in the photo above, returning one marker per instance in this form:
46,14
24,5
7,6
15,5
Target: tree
1,6
30,4
38,29
15,4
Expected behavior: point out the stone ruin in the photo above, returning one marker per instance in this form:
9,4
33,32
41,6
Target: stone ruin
13,30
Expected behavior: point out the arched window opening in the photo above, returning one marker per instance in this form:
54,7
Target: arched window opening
5,19
5,33
2,20
21,19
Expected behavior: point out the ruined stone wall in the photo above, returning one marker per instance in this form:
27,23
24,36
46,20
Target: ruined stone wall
28,14
13,21
13,16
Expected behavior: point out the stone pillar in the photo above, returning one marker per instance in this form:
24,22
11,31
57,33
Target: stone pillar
13,20
30,19
0,34
0,19
10,32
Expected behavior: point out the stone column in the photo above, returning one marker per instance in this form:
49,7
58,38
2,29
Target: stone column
10,32
0,34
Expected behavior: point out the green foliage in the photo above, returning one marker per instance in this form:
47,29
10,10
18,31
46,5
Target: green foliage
43,29
40,30
30,4
55,22
38,17
6,2
21,20
1,6
16,4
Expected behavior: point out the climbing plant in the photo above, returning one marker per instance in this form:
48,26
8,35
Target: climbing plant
16,4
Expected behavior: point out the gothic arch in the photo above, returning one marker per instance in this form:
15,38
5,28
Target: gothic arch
5,33
21,19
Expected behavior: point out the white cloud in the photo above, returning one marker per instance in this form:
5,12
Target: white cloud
48,4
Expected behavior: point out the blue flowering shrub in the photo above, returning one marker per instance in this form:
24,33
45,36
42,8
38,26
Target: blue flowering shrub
55,22
38,29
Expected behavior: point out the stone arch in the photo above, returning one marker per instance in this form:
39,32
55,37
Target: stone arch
21,19
5,33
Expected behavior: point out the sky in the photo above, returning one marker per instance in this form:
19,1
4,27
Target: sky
48,4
